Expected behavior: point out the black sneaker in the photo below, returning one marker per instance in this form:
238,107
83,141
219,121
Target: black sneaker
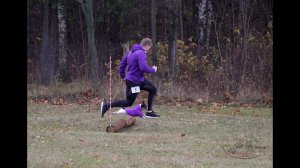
103,108
151,115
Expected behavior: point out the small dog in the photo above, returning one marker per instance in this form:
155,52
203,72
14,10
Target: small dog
133,112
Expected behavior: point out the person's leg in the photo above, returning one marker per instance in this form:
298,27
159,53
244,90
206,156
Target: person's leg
130,98
149,87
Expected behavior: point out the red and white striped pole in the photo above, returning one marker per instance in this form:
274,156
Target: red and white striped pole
110,74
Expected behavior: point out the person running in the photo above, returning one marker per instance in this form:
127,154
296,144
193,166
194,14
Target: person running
136,62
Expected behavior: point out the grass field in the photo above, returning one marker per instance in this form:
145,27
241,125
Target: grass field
74,136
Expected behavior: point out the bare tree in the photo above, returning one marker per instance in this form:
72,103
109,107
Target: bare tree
85,56
201,28
241,13
153,31
208,25
172,7
204,27
87,8
48,48
62,54
180,19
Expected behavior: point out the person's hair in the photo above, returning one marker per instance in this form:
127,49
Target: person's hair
146,41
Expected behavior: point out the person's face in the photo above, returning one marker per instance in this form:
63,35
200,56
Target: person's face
148,47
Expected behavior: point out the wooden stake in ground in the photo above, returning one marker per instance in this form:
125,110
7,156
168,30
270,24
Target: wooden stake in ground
120,124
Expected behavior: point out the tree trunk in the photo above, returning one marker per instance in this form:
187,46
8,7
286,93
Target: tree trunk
62,54
208,25
153,31
120,124
200,28
125,47
88,12
106,36
241,13
85,56
48,48
180,19
165,25
172,38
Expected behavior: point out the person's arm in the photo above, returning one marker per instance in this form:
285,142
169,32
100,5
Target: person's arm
122,68
142,60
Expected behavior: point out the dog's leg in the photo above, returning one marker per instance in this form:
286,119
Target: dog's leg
121,111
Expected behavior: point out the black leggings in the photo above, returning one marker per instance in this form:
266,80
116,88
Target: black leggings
130,97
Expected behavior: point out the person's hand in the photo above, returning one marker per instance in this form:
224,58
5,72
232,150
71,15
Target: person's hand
155,68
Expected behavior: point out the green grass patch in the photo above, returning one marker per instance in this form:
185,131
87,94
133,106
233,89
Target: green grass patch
74,136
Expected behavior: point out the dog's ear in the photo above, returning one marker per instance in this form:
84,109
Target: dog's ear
144,105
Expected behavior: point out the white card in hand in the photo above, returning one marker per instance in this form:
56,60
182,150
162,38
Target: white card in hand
135,89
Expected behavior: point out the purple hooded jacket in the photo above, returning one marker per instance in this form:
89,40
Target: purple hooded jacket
136,60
